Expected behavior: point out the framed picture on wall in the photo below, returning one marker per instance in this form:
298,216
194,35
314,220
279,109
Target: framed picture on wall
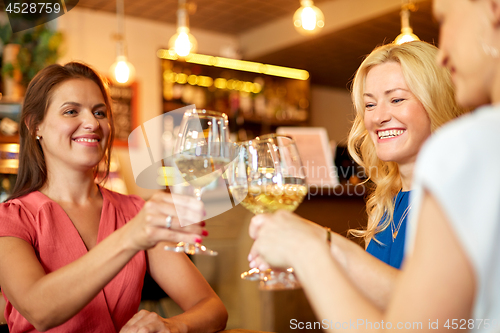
125,113
316,154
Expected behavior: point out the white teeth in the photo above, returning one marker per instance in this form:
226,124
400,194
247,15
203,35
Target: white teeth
86,140
389,134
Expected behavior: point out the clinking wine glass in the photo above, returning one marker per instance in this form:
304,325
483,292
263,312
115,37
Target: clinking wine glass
201,153
267,176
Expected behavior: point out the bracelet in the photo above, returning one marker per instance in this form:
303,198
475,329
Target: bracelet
328,236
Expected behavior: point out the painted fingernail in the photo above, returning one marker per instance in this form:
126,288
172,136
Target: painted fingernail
198,240
262,267
204,233
203,223
250,257
204,213
252,264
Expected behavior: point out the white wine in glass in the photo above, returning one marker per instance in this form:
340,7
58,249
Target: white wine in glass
201,153
268,198
268,176
200,171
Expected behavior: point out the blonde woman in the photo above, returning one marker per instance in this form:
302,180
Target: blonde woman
401,96
392,122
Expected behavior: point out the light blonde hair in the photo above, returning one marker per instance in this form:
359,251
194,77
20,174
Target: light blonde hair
432,86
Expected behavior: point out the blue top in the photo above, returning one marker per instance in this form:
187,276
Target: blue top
391,251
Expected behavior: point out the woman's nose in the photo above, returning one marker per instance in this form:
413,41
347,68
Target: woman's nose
381,114
89,121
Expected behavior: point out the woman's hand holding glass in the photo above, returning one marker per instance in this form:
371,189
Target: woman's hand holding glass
158,221
202,152
267,176
280,237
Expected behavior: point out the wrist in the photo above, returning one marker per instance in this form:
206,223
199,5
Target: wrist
312,248
175,325
311,260
125,240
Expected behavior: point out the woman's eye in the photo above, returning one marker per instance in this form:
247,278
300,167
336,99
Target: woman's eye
369,105
100,113
70,112
397,100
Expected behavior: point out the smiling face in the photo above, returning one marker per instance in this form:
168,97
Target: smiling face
75,130
394,118
465,48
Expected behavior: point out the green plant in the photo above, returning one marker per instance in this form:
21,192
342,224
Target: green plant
39,48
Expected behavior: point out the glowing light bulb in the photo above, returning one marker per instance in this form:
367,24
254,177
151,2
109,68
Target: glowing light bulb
406,36
122,71
183,43
308,19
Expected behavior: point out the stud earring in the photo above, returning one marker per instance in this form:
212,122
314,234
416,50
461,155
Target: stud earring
38,137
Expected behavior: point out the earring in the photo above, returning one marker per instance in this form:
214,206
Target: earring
38,137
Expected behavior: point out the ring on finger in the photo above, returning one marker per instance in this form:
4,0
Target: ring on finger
168,222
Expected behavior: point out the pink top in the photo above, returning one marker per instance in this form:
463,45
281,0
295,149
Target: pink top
46,226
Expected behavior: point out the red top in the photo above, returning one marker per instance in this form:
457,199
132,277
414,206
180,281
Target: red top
45,225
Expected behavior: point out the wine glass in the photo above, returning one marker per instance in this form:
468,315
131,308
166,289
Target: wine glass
267,176
201,153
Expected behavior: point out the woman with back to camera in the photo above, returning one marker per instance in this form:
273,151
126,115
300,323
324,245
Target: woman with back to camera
400,96
450,279
74,254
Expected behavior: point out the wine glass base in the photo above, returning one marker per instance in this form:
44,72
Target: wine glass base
191,248
273,279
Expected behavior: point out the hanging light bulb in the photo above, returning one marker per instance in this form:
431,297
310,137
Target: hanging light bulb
122,71
308,19
406,34
183,42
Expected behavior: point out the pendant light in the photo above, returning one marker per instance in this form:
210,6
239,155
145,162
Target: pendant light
122,71
308,19
183,42
406,34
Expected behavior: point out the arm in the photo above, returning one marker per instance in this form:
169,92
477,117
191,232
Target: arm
437,281
48,300
2,310
181,280
374,278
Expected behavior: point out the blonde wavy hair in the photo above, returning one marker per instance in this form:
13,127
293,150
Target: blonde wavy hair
432,86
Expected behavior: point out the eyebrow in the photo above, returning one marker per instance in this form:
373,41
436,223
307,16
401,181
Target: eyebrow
387,92
78,105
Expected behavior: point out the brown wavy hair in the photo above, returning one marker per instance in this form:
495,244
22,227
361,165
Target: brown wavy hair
32,172
432,86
